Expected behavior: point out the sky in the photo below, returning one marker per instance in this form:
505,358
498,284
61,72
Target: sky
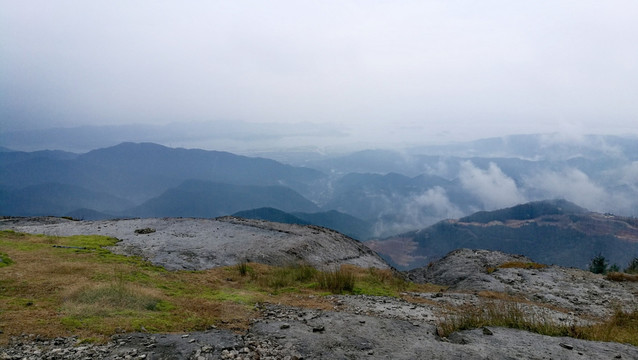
364,71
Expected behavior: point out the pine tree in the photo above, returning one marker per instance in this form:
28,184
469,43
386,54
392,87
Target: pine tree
598,264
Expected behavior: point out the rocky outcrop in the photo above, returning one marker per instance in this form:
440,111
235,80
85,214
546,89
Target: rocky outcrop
197,244
574,290
463,268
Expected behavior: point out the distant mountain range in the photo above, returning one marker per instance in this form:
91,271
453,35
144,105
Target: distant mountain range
368,194
549,232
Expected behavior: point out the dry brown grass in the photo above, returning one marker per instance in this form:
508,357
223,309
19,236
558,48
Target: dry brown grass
516,265
51,291
619,276
522,265
621,327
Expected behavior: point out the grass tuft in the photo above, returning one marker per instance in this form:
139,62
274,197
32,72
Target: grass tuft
503,314
288,276
337,281
622,327
242,268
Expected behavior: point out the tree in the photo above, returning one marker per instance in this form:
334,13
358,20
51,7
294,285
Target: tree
633,266
598,264
614,268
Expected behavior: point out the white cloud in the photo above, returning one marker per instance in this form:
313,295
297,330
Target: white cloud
494,188
416,211
574,185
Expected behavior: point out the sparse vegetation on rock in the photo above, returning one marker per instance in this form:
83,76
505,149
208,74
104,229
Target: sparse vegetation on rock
119,306
146,230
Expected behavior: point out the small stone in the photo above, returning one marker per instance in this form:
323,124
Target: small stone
284,326
487,331
318,329
566,346
192,340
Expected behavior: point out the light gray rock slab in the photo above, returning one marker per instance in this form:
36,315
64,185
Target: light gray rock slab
197,244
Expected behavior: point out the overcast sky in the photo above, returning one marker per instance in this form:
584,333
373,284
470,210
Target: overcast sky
388,70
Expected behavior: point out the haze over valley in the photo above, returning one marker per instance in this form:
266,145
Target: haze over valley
369,194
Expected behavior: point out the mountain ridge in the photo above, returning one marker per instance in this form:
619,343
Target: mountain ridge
569,237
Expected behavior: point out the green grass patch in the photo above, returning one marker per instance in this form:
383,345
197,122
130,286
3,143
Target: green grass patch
5,260
113,297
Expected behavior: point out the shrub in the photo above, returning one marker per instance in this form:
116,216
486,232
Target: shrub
614,268
632,268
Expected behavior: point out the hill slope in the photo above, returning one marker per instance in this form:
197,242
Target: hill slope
335,220
195,198
55,199
550,232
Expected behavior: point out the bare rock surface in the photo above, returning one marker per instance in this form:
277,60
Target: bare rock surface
296,333
197,244
463,268
574,290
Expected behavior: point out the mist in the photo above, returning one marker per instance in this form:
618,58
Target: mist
436,109
363,75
